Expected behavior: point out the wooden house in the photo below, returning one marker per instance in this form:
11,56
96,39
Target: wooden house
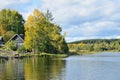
19,40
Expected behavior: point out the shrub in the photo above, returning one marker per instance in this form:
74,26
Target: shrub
11,45
21,49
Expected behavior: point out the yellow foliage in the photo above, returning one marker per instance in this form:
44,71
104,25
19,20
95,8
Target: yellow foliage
81,44
3,29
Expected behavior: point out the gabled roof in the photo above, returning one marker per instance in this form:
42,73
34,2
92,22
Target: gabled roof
21,37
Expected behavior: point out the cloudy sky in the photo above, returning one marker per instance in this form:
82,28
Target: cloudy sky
80,19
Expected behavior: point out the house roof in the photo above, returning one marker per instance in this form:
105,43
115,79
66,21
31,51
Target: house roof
20,36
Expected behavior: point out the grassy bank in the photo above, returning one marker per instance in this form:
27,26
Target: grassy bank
45,55
23,55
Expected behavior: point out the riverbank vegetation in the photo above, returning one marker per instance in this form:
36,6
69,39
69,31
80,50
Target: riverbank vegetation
95,45
41,35
45,55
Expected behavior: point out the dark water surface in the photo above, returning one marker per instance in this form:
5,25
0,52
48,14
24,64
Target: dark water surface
102,66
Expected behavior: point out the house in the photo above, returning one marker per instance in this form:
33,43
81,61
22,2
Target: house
19,40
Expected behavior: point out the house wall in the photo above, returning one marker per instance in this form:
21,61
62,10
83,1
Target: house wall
18,41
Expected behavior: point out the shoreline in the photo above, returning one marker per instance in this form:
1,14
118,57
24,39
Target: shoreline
28,55
7,56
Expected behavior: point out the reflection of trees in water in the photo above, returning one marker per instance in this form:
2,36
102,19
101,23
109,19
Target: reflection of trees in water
12,70
43,69
1,69
55,70
32,69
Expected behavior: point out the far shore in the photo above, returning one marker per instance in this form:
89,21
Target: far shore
89,52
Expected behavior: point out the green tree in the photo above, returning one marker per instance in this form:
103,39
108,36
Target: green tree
41,35
49,16
11,21
11,45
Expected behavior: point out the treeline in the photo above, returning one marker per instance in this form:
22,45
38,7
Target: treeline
40,33
95,45
11,22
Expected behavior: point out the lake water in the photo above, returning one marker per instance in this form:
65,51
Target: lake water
101,66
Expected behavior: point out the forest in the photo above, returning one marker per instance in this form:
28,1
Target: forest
40,33
95,45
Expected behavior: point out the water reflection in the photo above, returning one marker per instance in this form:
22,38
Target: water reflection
42,69
12,70
32,69
92,67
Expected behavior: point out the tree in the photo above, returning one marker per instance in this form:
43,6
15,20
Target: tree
35,23
8,35
49,16
11,21
41,35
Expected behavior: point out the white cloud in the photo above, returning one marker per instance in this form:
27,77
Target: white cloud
26,14
4,3
23,1
115,17
81,19
64,10
29,10
108,7
91,30
70,39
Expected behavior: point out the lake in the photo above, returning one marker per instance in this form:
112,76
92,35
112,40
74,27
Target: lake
100,66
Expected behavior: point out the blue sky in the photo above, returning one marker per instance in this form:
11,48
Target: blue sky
80,19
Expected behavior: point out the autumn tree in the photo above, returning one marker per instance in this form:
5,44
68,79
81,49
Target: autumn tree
41,35
11,20
96,45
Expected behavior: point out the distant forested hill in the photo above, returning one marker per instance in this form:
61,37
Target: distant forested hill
92,41
95,45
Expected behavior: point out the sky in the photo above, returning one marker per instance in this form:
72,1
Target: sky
80,19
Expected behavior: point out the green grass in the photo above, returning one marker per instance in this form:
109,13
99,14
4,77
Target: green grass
51,55
44,55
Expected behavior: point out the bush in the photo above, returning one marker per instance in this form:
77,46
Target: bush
21,49
11,45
